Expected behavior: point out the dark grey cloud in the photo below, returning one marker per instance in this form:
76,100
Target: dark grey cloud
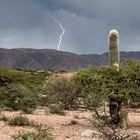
120,11
28,23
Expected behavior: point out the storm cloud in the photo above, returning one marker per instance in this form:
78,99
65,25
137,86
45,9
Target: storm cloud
29,24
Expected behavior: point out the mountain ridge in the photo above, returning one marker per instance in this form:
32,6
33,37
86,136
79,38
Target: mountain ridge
55,60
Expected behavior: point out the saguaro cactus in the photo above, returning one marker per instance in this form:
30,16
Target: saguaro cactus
117,112
114,47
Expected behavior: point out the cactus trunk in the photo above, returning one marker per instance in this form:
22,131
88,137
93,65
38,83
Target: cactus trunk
113,47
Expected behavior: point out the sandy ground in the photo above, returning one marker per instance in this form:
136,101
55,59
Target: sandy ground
59,126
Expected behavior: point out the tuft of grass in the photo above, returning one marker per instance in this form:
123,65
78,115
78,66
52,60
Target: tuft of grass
19,120
56,109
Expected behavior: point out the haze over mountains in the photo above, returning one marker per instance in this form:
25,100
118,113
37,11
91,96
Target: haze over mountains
55,60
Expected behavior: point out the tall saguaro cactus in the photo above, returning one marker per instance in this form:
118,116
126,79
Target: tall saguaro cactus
114,47
117,111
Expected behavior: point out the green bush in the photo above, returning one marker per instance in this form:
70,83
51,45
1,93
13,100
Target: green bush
24,77
18,97
37,77
19,120
8,76
19,88
132,72
22,89
90,84
98,85
60,91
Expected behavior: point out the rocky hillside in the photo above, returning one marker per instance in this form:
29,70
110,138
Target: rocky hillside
53,59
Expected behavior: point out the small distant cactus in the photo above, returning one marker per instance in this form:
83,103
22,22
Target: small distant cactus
114,47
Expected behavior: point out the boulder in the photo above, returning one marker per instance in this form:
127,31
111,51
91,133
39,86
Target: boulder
90,133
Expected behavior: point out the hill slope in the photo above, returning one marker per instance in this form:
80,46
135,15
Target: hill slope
52,59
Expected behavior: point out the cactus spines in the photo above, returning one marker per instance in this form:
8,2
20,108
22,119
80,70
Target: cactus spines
114,47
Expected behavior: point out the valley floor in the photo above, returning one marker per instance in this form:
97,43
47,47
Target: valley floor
60,126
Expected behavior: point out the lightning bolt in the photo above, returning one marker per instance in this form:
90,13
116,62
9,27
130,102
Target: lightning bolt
61,35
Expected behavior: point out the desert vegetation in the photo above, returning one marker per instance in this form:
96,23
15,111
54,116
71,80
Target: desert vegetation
93,89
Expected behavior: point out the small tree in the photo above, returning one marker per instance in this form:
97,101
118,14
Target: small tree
60,91
100,83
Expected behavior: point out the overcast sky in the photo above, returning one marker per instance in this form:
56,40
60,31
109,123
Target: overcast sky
29,24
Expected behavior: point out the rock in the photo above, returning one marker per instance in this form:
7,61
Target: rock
90,133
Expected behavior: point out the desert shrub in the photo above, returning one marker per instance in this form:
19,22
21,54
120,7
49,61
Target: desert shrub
43,97
19,120
56,109
18,97
89,83
41,134
37,77
132,72
8,76
22,76
99,85
23,136
19,88
61,91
